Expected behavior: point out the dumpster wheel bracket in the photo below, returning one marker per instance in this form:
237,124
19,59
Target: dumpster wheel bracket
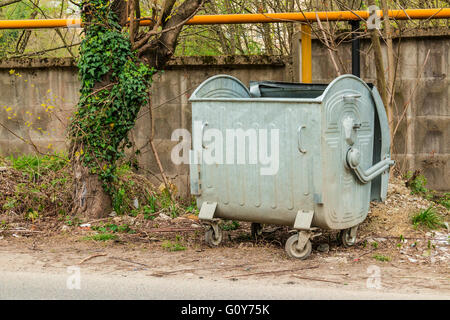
213,233
347,237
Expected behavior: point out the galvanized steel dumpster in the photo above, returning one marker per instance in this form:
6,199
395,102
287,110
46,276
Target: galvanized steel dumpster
333,156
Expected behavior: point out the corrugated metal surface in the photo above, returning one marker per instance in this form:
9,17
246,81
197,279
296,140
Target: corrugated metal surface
312,174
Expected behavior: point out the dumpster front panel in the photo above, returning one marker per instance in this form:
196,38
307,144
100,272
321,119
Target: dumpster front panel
255,188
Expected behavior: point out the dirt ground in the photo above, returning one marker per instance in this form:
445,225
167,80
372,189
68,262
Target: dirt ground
417,260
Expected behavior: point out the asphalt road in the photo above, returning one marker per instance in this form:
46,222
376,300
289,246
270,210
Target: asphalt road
21,285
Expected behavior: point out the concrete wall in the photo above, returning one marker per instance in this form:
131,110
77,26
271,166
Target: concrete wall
422,141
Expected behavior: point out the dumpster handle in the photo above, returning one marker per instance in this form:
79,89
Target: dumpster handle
299,143
202,132
365,176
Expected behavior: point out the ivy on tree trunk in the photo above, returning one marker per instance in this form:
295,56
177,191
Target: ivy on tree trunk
115,70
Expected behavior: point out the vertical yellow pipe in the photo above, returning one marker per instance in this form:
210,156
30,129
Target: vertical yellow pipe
306,54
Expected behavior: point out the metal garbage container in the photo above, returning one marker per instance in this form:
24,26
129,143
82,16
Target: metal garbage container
307,156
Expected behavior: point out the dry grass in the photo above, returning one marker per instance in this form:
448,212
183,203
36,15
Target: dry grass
394,216
41,187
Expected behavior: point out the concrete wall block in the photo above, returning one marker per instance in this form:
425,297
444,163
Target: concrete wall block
432,135
437,64
436,169
167,118
401,137
432,97
403,162
186,117
402,95
164,148
166,88
408,64
7,89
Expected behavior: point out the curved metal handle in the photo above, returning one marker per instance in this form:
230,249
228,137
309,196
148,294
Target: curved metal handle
365,176
299,142
202,131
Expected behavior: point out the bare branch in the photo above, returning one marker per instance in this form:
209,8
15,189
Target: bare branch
5,3
157,52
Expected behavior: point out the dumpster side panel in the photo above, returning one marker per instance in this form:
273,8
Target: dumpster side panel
348,120
380,184
282,180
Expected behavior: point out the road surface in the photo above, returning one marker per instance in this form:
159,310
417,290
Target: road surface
75,285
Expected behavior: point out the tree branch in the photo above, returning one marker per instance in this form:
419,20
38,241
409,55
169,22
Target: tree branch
5,3
157,52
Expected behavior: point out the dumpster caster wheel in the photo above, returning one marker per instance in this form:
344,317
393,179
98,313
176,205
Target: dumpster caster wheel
346,239
213,239
257,230
294,252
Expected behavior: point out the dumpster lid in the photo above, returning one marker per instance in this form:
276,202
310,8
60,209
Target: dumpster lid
221,86
279,89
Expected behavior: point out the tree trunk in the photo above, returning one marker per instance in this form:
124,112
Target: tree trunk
381,80
90,199
391,63
114,87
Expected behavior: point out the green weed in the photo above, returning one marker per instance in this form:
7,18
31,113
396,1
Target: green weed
416,183
35,166
427,218
380,257
174,245
231,225
101,237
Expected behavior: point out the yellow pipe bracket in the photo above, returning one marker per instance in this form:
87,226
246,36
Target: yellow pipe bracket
306,60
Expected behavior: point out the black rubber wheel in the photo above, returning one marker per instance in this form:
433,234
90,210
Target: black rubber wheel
293,252
212,239
345,239
257,230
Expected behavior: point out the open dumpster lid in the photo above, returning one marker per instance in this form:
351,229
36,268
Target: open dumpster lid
281,89
286,89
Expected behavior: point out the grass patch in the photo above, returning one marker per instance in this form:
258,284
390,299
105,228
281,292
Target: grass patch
35,186
230,225
444,200
113,228
380,257
39,186
101,237
417,183
173,246
427,218
35,166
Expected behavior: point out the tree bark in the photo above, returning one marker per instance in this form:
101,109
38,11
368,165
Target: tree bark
390,53
90,199
381,80
158,51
